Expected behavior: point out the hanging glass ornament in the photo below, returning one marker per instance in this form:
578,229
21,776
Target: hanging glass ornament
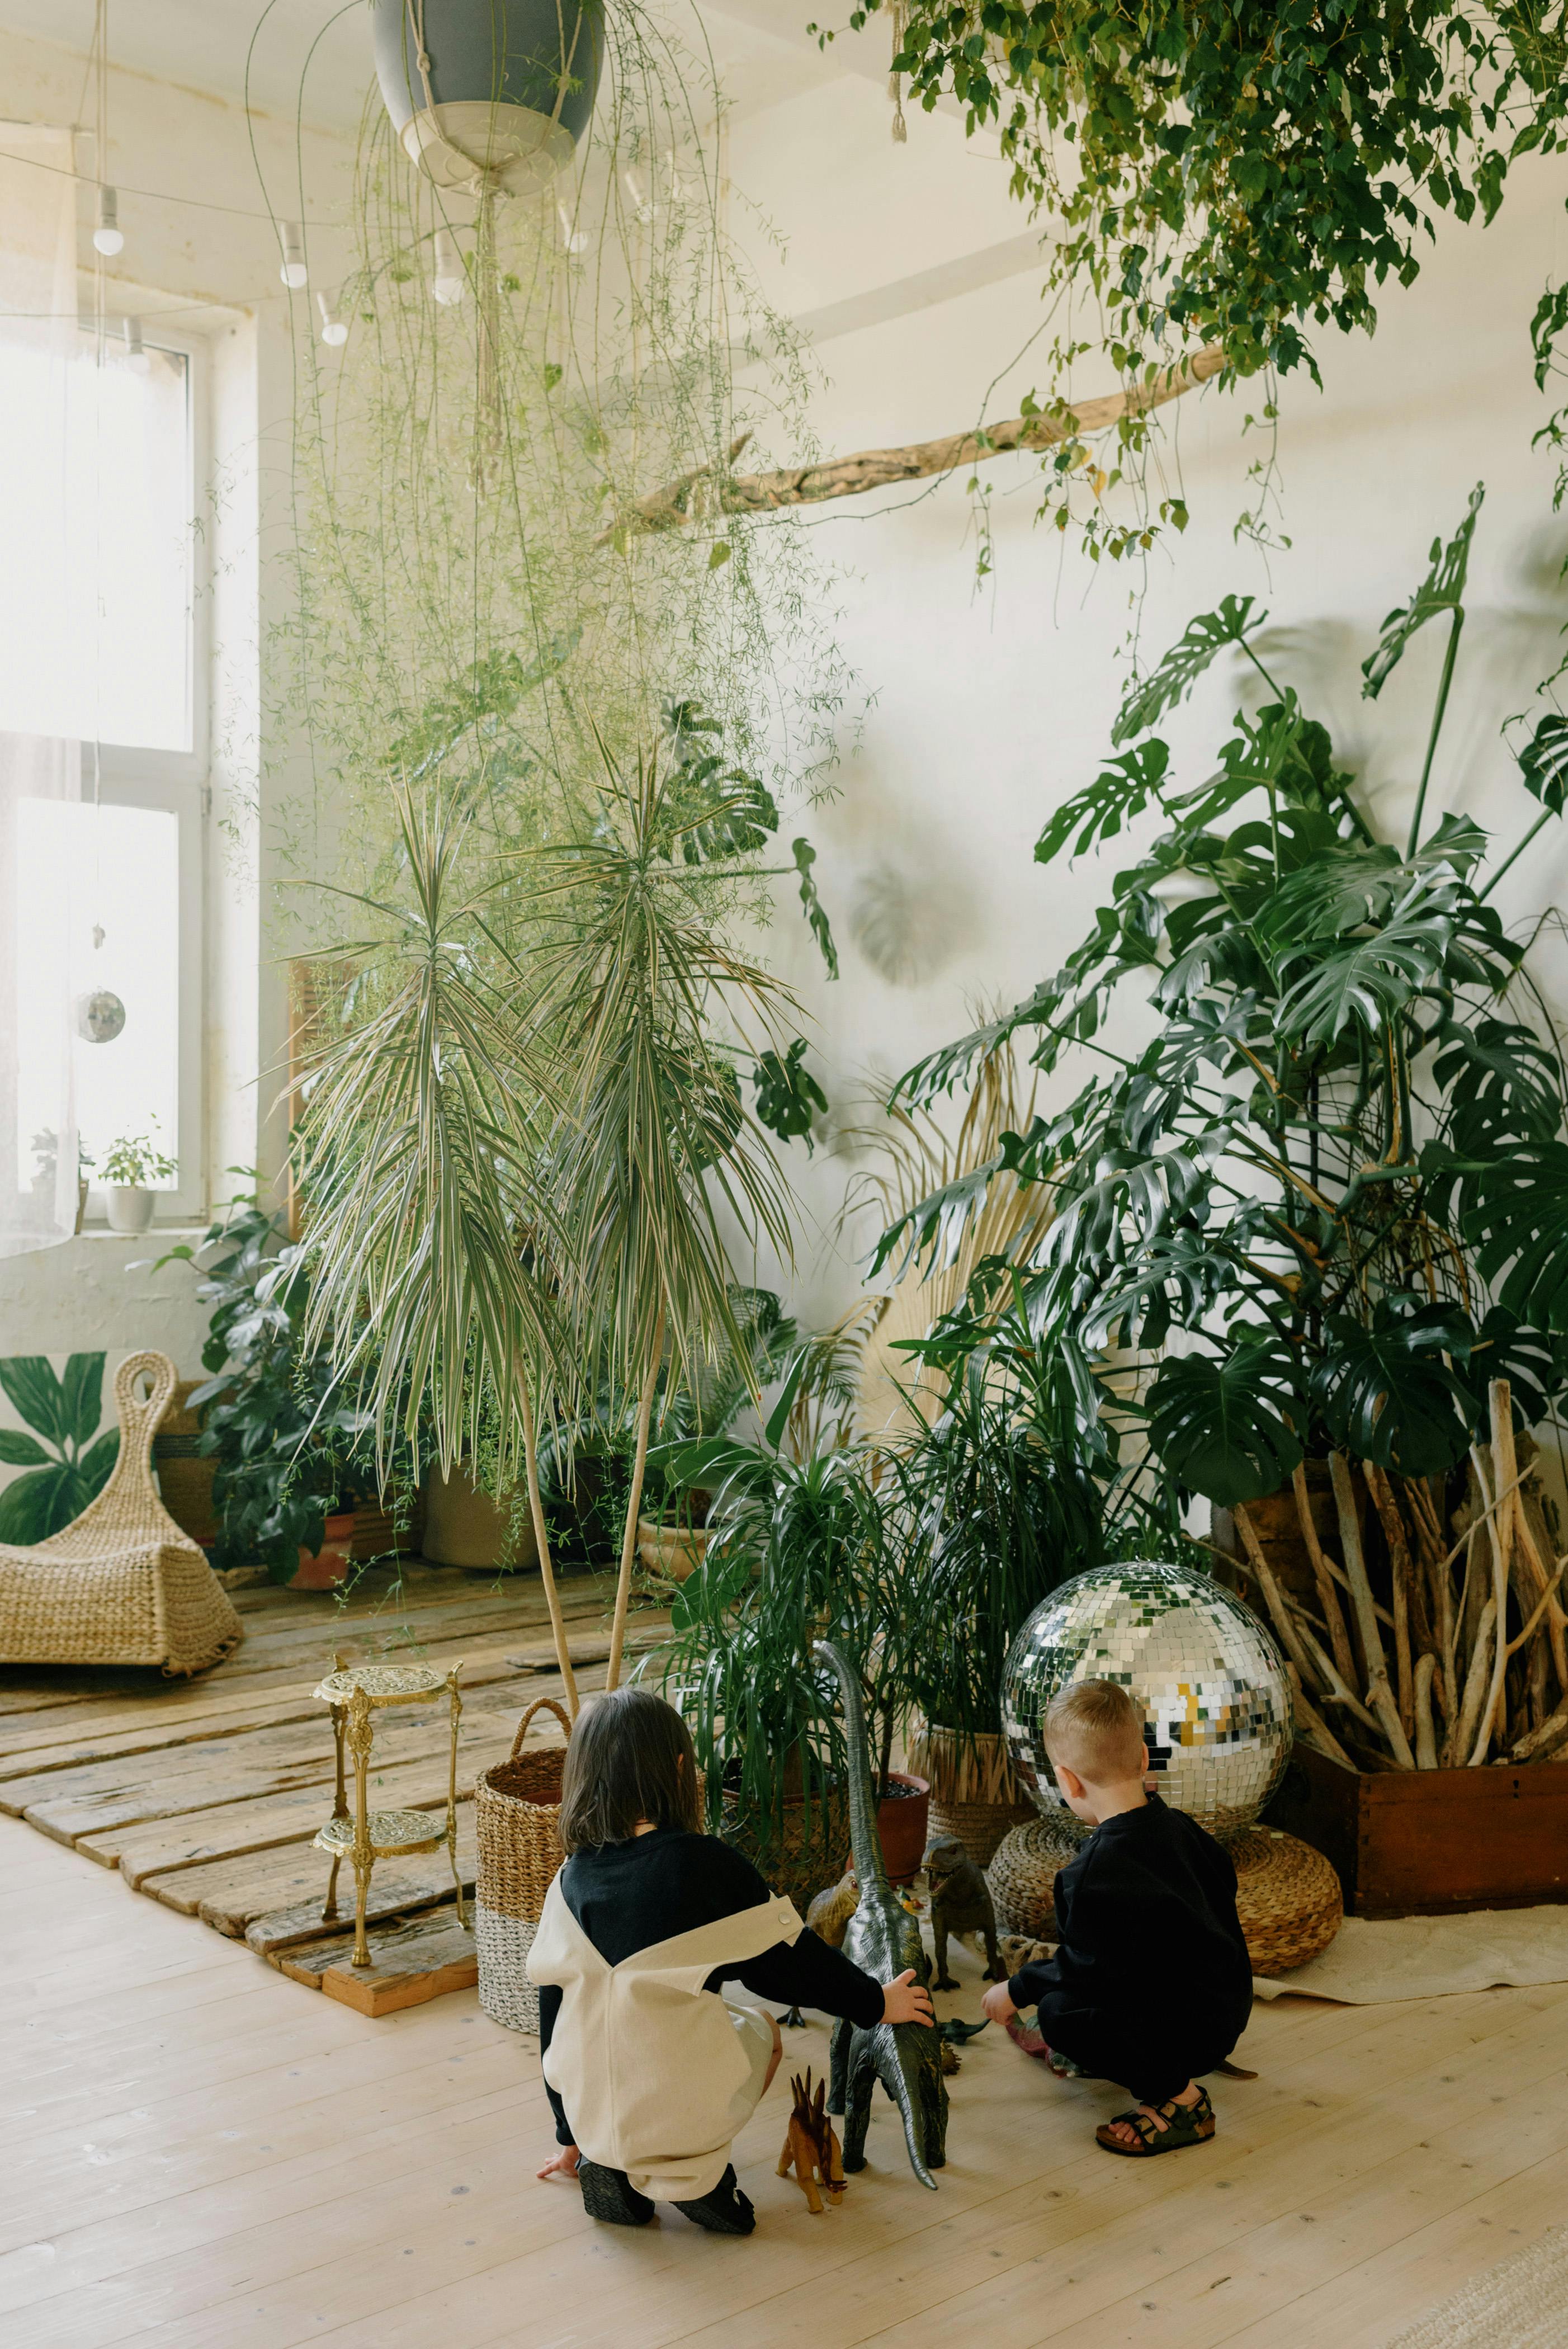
100,1016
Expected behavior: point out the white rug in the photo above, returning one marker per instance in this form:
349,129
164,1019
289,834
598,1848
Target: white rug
1521,2304
1370,1962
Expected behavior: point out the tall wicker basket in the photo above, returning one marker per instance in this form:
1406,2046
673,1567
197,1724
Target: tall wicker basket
517,1807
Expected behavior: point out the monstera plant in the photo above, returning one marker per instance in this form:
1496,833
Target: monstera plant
1325,1203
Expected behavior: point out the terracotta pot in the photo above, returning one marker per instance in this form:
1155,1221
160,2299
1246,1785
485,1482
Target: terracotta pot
463,1526
900,1826
671,1551
332,1562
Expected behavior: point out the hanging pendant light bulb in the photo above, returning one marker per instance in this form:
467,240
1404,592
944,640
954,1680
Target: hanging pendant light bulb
107,237
293,270
575,240
333,333
136,357
450,283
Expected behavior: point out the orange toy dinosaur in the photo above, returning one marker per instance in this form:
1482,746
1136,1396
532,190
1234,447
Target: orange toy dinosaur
810,2147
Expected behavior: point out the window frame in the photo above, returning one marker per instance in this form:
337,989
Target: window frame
178,782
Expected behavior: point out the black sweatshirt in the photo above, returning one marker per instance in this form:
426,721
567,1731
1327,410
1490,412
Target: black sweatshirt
1152,1966
631,1896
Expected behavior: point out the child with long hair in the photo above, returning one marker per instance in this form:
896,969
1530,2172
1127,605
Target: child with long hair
650,2072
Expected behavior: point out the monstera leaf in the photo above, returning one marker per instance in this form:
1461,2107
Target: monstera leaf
1218,1426
1543,763
1201,641
1387,1394
1439,591
68,1463
1517,1221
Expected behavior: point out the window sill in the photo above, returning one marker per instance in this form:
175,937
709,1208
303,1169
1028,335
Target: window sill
153,1232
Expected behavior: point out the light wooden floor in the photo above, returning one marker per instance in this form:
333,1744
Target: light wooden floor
197,2156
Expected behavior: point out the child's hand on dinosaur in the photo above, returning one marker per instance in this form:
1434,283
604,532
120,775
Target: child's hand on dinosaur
998,2005
906,2001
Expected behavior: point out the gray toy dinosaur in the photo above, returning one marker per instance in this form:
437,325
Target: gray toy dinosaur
884,1939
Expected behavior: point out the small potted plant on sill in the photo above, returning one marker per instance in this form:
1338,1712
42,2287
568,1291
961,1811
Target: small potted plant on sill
131,1164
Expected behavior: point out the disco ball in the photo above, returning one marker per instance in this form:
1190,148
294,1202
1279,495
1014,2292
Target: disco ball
1212,1684
100,1017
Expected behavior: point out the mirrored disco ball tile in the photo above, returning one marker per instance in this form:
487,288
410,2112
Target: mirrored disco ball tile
1211,1680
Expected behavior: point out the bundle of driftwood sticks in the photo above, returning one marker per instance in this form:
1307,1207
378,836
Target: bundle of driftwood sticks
1466,1661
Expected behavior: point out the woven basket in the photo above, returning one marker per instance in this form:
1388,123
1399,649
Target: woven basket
978,1826
1023,1873
1287,1898
517,1814
805,1861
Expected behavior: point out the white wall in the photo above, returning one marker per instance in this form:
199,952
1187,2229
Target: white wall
992,704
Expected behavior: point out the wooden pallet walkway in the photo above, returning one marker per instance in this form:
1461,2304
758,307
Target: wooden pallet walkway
206,1795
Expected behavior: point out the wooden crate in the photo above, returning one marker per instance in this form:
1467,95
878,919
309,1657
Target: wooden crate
1424,1842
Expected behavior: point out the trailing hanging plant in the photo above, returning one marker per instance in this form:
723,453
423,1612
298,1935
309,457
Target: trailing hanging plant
1230,176
1328,1201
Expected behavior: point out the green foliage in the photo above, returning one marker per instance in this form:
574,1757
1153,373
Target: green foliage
1336,1163
787,1094
288,1449
1236,175
69,1462
134,1158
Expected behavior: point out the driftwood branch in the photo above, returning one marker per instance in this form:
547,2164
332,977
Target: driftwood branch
710,488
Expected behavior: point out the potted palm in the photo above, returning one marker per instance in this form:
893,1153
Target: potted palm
1335,1173
131,1164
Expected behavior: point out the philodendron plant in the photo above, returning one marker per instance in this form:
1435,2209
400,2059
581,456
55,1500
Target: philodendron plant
1327,1203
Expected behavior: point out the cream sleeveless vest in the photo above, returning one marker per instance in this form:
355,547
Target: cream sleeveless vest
652,2070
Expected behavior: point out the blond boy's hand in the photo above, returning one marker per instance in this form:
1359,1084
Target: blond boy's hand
998,2004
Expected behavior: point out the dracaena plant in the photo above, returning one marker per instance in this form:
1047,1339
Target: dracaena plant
1326,1202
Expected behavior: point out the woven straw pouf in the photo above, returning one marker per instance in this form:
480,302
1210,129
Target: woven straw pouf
1023,1872
1288,1896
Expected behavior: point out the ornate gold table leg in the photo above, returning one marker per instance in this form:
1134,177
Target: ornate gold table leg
339,1811
359,1737
452,1795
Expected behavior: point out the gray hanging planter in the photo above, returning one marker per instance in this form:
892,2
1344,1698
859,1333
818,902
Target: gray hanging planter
508,92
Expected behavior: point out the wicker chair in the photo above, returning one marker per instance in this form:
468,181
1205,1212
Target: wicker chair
121,1584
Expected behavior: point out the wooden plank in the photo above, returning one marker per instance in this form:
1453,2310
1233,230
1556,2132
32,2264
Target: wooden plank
413,1960
591,1647
93,1798
258,1818
421,1880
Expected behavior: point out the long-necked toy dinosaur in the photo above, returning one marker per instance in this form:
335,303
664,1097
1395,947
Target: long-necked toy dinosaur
884,1939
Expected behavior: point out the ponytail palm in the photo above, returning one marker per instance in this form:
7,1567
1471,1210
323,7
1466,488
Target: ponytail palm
433,1249
653,1149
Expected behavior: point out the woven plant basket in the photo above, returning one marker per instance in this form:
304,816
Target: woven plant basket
975,1799
1023,1873
517,1814
1287,1898
809,1857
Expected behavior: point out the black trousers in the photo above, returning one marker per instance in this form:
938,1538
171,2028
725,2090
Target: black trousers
1154,2064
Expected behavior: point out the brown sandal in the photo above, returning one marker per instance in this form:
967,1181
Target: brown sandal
1187,2124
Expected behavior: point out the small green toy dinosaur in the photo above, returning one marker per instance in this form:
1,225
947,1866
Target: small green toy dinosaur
884,1939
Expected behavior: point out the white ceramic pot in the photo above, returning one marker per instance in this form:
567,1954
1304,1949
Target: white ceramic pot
130,1208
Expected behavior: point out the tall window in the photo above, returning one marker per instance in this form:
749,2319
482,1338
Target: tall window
98,647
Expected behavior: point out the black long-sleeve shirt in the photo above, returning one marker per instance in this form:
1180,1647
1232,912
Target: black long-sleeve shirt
631,1896
1151,1973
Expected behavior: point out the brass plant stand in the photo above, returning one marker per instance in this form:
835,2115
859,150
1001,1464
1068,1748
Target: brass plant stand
356,1692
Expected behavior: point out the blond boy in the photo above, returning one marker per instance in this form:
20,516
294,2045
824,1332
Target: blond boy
1150,1984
